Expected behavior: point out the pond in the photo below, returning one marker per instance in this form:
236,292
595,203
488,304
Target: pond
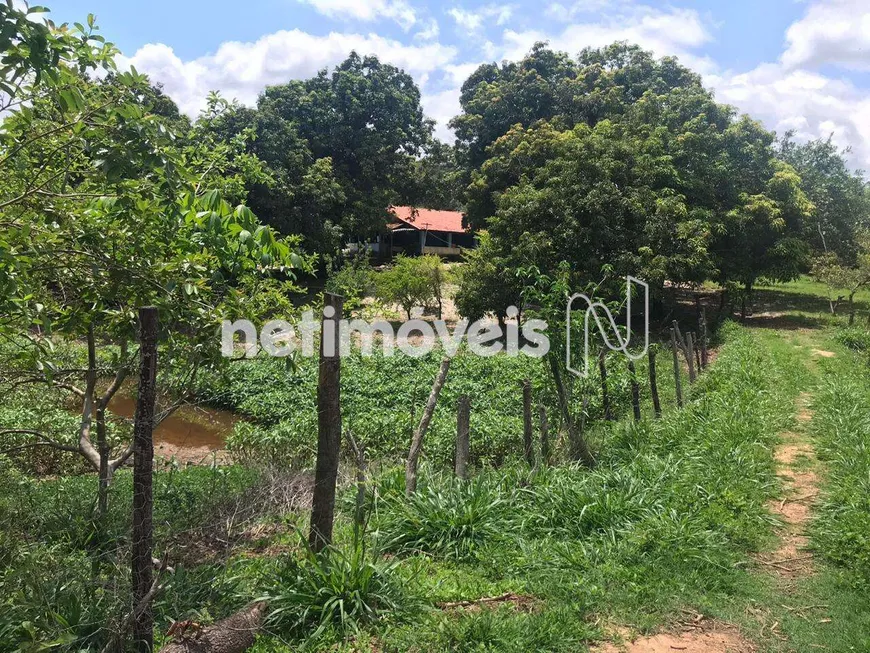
192,434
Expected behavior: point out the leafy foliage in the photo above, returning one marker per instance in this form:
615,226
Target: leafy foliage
617,159
336,590
451,519
412,282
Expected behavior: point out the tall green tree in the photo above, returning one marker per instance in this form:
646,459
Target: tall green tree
438,179
362,124
640,171
838,194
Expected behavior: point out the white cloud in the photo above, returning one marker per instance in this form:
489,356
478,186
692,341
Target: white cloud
430,32
442,106
242,70
832,32
670,32
813,105
473,20
792,94
367,10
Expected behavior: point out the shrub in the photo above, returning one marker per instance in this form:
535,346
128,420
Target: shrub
854,337
354,280
412,282
334,590
449,518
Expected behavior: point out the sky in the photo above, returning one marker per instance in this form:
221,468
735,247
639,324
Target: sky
801,65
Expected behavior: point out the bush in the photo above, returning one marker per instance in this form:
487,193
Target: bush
449,518
854,337
334,590
354,280
412,282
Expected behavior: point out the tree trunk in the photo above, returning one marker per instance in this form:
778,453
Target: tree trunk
747,294
328,426
360,456
417,441
635,391
143,461
235,634
579,450
545,436
105,471
463,424
653,385
677,382
605,397
528,433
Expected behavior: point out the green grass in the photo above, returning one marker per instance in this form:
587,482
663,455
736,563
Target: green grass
841,428
666,521
663,522
382,396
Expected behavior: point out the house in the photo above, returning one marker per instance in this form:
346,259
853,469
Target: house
425,231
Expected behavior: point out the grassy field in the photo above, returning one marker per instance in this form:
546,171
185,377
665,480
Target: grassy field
678,517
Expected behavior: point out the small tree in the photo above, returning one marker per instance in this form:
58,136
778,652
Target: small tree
412,282
354,280
484,284
829,270
103,210
547,298
434,270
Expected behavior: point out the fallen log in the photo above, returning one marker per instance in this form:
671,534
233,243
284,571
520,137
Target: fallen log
235,634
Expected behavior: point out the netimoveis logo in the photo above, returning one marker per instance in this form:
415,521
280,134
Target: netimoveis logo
606,327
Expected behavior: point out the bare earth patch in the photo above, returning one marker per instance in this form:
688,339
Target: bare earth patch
823,353
792,559
700,635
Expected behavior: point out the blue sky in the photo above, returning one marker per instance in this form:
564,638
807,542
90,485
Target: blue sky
802,65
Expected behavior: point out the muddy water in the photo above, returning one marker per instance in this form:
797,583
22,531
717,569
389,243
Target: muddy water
192,434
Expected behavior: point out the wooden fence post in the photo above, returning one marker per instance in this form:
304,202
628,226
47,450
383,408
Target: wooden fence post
677,382
143,499
605,397
653,384
704,355
528,431
690,357
417,440
545,436
463,427
635,390
328,426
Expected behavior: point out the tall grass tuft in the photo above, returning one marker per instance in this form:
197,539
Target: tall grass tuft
447,517
334,590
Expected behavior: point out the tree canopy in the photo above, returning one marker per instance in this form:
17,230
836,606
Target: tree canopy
621,162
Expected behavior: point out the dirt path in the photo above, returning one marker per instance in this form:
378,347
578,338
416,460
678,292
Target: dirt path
795,459
695,635
790,561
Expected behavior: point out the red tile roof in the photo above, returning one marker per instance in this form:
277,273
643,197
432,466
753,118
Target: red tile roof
449,221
